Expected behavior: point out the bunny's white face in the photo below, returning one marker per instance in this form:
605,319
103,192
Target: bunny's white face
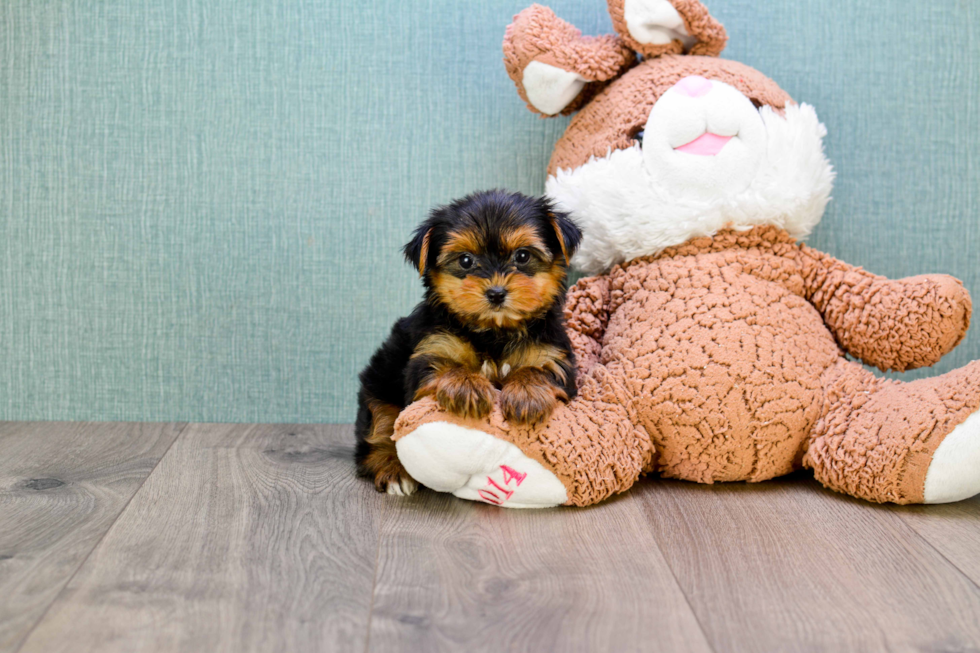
708,160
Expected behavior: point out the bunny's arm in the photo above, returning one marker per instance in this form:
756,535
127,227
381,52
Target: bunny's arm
898,324
586,316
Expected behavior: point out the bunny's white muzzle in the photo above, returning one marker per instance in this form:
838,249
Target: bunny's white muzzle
703,140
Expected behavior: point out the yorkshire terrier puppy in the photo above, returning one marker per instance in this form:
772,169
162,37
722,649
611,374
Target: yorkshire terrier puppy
494,265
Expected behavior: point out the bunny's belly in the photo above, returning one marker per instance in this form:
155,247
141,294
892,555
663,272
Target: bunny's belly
725,369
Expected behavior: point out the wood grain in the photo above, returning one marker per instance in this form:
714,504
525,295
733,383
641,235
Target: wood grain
789,566
62,485
245,538
454,575
260,538
952,529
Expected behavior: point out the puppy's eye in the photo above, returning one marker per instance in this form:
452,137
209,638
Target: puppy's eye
466,261
522,256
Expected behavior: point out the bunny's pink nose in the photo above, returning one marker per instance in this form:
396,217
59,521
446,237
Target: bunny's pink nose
693,86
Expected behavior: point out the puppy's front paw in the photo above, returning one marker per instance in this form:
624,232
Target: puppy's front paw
528,397
402,486
392,478
467,395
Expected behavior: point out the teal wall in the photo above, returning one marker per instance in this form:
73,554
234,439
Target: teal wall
202,201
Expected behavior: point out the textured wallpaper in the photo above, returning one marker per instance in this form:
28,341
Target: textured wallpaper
202,201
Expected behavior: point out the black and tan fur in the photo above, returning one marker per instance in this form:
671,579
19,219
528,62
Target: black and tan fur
494,265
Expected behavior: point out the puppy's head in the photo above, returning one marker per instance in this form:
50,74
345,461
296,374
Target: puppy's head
495,259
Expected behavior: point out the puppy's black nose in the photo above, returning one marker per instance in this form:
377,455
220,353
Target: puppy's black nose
496,295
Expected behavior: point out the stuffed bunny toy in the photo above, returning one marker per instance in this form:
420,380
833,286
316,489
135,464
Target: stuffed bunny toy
711,345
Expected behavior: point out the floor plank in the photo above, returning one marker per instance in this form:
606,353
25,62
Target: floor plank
245,538
62,485
248,538
789,566
952,529
455,575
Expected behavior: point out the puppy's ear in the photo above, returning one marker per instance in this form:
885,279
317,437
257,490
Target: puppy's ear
568,233
417,249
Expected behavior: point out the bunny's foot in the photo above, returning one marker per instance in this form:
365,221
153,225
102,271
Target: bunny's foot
888,441
588,450
954,473
474,465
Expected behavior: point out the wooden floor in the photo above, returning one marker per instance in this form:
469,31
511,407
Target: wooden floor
176,537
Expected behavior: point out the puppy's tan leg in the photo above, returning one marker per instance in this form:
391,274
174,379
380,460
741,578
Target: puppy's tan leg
382,461
535,382
455,377
465,394
529,395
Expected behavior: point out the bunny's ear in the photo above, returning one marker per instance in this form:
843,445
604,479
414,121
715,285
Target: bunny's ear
657,27
555,68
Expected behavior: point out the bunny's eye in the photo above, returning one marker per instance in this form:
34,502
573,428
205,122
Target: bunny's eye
636,133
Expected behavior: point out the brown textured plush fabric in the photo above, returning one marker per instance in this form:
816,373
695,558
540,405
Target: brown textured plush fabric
718,360
710,34
537,34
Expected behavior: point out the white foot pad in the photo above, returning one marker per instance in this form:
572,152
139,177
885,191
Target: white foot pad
476,466
954,473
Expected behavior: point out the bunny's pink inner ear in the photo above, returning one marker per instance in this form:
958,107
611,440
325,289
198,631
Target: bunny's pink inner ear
555,68
658,27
